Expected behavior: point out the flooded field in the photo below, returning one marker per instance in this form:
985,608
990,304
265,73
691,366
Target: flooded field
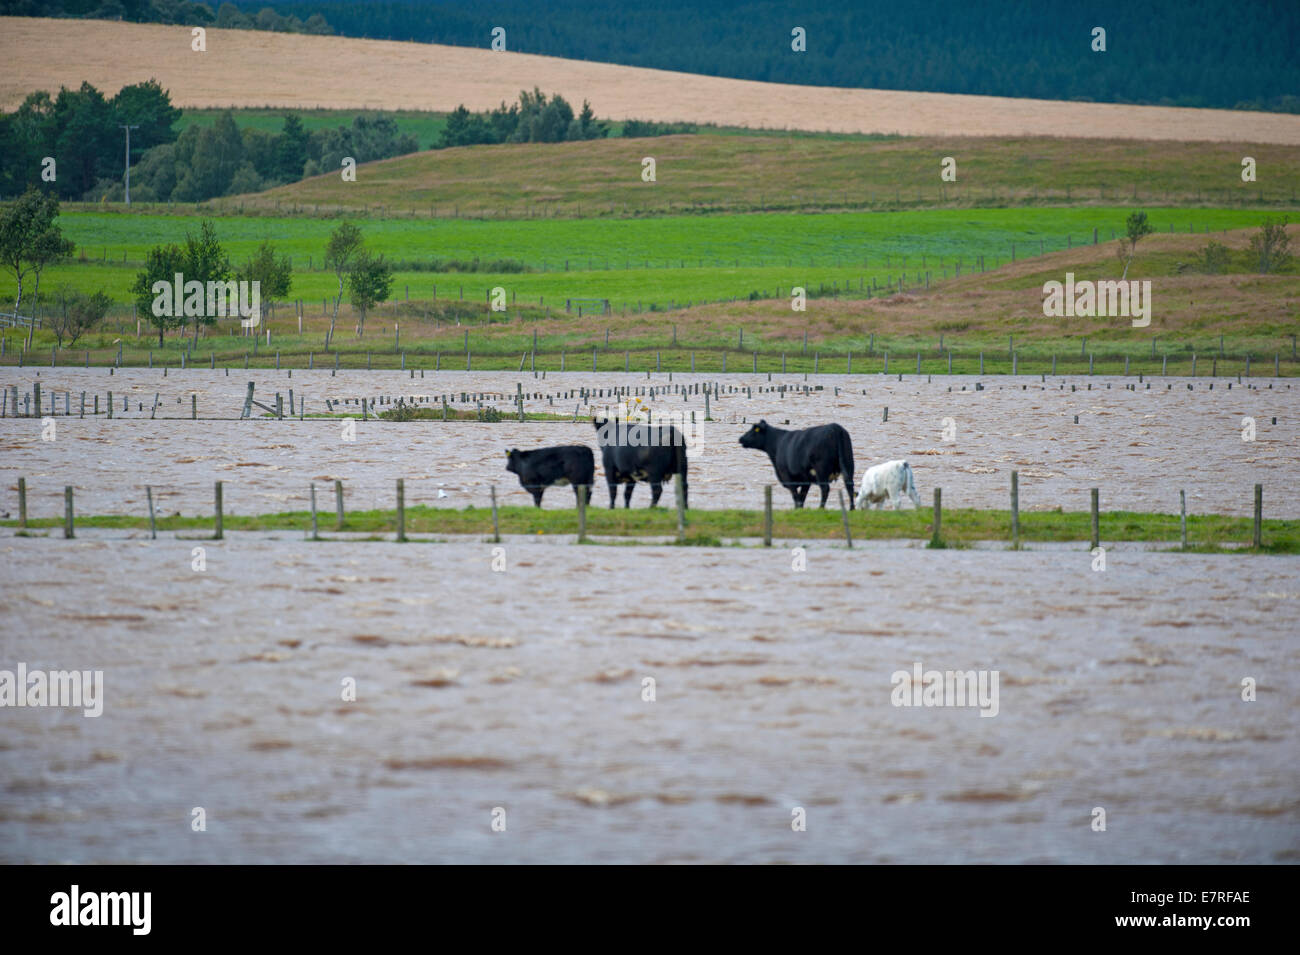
1140,447
522,690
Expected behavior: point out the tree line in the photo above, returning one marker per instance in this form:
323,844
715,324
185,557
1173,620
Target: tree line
184,12
80,130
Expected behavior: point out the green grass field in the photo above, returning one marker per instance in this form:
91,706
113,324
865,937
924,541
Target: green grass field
661,260
960,526
425,127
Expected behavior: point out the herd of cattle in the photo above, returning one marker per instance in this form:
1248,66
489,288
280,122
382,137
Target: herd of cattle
638,452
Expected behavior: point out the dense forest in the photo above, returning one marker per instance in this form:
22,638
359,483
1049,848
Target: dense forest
188,12
1220,53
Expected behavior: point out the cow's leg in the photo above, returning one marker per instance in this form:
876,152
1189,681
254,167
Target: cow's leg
613,494
800,491
656,489
537,495
826,489
627,494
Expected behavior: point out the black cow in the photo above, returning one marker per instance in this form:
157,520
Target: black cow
811,456
639,452
567,464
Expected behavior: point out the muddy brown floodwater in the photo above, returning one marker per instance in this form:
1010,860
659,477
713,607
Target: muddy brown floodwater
522,690
1139,447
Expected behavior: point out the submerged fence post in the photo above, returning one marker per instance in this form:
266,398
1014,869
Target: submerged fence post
1096,522
401,509
153,529
67,513
767,516
338,503
217,530
844,513
1015,509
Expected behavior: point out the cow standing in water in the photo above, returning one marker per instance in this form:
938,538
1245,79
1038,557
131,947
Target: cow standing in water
802,458
888,482
640,452
567,464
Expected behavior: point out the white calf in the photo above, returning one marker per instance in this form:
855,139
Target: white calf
889,481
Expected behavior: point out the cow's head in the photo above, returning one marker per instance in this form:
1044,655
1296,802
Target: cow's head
755,436
606,433
512,460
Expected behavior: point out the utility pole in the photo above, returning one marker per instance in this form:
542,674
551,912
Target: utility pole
128,160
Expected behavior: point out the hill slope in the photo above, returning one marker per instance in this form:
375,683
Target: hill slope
252,68
745,173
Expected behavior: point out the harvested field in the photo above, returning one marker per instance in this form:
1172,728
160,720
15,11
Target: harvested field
344,73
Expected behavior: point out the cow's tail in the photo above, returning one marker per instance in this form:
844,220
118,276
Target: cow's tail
909,484
846,464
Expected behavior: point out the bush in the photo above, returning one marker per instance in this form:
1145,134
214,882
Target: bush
1213,259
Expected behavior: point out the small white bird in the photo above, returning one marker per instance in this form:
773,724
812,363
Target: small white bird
441,493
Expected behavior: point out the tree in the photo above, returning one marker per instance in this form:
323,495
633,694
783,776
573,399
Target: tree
1137,226
1270,247
149,107
30,239
370,281
162,264
345,245
273,273
78,313
205,261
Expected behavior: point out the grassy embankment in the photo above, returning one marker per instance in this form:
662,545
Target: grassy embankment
960,526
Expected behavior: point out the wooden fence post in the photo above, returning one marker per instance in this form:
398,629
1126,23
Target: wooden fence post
153,528
936,539
22,503
1182,518
67,513
844,513
679,487
1015,509
315,535
584,490
767,516
496,530
1096,519
1259,515
401,509
218,531
338,503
